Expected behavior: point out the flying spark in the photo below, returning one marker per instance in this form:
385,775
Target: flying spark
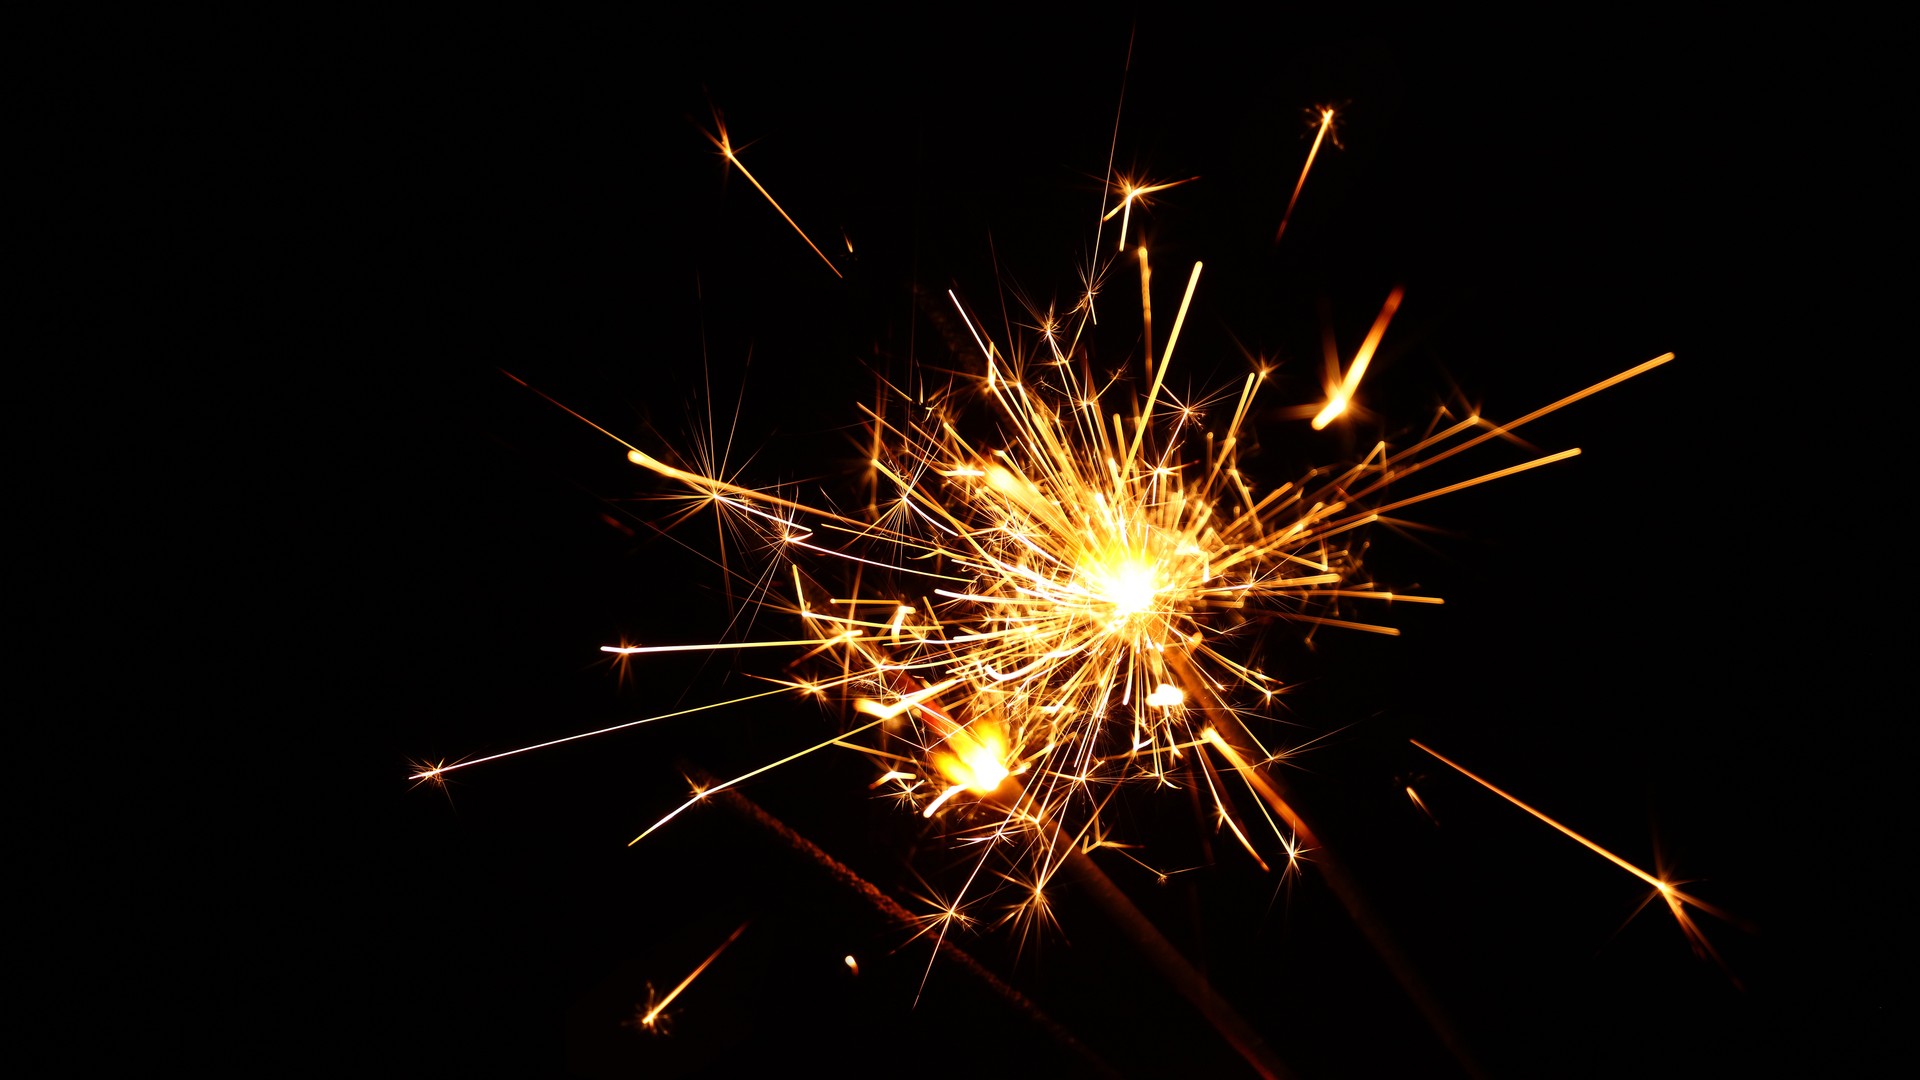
1319,135
652,1017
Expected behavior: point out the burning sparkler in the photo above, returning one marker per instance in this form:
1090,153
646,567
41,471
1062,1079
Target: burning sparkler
1067,580
1068,604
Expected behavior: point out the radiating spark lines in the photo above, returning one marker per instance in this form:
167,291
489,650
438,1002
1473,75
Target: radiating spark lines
1114,556
1058,586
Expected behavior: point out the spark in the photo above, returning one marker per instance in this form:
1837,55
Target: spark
1326,125
725,144
1677,901
1337,400
653,1016
436,775
1414,797
437,772
1131,193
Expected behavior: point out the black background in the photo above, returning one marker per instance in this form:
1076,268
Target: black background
1625,641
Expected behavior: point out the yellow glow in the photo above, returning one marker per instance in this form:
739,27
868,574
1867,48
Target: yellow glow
1125,585
977,764
1337,399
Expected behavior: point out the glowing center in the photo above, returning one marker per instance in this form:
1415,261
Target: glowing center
977,764
1126,584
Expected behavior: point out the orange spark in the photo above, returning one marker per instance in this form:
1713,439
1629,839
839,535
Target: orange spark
726,150
1338,398
650,1018
1421,803
1131,192
1674,898
1326,125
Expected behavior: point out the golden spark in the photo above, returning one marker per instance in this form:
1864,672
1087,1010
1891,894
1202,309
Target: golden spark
652,1017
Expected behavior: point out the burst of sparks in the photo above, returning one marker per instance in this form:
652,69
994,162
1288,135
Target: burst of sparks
1066,597
1071,598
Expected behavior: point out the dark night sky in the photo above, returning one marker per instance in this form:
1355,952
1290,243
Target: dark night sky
1621,644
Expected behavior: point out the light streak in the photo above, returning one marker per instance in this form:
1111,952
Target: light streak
1326,125
1131,193
1677,901
1337,400
652,1017
770,766
726,150
435,772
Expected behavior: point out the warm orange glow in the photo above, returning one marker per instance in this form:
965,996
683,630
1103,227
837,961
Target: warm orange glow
976,762
1092,560
1421,803
1338,398
1122,581
1166,696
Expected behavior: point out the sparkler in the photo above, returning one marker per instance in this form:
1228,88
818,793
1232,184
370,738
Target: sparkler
1065,606
1064,586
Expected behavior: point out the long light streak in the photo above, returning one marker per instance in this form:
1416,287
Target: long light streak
650,1019
726,150
1326,125
439,771
1672,895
